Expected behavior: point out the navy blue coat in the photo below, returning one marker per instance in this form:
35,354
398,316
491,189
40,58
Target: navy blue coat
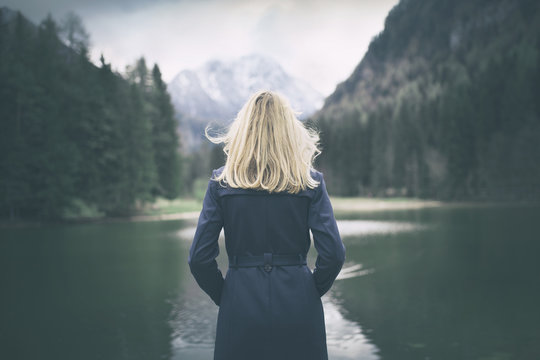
274,314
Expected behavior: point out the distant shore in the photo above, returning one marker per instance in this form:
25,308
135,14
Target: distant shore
189,209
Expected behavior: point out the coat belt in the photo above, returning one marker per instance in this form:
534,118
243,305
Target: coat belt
267,260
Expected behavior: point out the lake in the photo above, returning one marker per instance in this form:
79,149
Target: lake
437,283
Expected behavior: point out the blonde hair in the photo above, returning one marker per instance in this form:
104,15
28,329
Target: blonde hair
267,147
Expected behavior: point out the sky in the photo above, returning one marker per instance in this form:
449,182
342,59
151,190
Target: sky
318,41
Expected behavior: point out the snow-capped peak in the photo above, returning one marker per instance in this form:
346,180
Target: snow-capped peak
218,89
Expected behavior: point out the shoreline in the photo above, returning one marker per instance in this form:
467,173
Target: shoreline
341,206
187,215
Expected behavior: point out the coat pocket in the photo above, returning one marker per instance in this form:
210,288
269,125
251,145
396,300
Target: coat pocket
310,280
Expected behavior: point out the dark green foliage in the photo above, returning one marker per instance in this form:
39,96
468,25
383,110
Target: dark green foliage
165,138
444,105
158,109
73,133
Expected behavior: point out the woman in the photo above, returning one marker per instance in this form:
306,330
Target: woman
267,197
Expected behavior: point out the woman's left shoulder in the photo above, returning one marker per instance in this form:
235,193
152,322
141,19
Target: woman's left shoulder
218,171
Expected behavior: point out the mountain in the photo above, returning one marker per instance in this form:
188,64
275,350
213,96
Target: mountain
7,15
443,105
216,91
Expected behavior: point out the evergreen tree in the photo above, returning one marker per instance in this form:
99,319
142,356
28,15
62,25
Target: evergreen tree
165,139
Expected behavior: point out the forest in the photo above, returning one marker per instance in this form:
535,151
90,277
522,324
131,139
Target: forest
77,137
443,105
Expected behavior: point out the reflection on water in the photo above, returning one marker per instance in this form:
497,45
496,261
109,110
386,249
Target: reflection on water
353,271
345,338
188,233
346,228
194,324
369,227
466,287
442,283
193,321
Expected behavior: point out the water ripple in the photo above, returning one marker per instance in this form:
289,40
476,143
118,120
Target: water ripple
353,271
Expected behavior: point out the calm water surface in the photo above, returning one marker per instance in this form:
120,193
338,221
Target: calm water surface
443,283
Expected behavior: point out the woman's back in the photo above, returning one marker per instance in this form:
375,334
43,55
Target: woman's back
257,222
269,301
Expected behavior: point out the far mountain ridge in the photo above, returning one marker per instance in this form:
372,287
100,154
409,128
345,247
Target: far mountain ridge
216,91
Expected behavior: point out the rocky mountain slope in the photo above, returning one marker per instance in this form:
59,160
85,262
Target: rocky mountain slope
216,91
443,105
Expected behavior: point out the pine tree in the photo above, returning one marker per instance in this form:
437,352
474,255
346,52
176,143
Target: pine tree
165,139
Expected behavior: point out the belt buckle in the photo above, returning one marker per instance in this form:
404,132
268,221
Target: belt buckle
267,262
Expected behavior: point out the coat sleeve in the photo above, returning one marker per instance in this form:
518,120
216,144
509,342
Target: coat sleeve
204,248
326,238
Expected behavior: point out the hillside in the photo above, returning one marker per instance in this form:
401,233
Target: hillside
442,105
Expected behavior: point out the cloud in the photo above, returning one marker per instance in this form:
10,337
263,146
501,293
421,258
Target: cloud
318,41
38,9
